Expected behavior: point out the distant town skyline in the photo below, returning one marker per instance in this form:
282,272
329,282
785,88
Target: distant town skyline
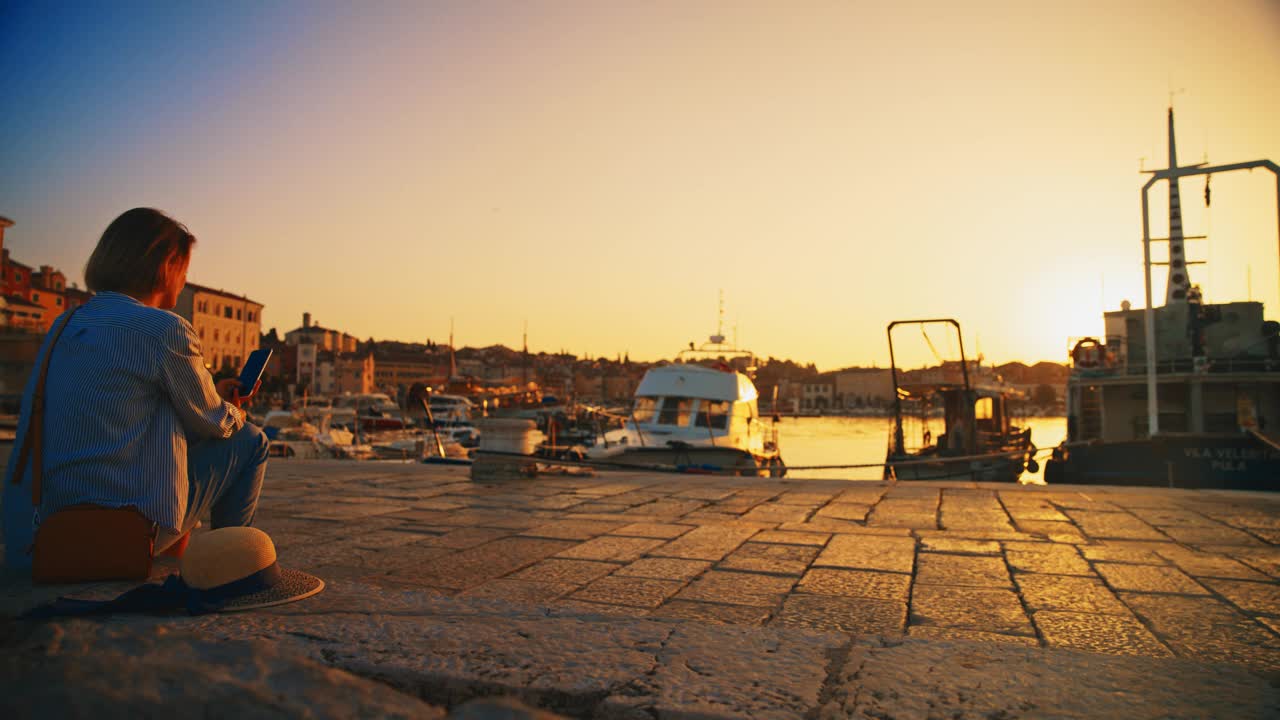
603,171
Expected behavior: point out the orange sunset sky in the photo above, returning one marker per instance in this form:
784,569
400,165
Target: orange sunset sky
602,170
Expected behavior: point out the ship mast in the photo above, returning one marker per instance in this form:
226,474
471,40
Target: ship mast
1172,174
1179,283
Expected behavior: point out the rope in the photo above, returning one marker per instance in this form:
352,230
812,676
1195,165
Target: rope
731,471
932,349
1273,442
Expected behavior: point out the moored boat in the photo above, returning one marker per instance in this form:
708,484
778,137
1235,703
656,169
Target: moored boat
698,414
371,411
1179,395
980,440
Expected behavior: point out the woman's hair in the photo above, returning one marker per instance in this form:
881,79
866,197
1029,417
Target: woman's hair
131,255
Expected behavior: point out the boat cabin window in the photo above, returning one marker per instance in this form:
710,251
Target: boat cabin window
982,409
646,409
713,414
675,411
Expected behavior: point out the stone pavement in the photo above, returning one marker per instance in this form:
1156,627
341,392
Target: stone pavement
644,595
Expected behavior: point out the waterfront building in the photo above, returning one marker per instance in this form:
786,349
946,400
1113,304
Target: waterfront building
396,368
307,358
863,387
323,338
228,325
1036,382
32,299
21,314
353,373
818,394
48,291
17,276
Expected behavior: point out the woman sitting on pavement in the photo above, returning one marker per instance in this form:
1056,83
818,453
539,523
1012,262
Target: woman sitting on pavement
132,416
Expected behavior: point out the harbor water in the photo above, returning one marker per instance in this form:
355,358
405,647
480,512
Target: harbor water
808,441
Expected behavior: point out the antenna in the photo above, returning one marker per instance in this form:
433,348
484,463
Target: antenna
718,338
720,321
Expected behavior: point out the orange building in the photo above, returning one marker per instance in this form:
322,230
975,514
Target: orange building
228,325
48,290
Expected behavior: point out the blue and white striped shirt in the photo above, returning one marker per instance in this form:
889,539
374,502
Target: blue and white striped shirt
127,390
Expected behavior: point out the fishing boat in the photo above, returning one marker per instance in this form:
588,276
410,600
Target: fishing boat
1184,395
697,414
980,441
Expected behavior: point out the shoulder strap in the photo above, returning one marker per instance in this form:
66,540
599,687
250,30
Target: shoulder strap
33,441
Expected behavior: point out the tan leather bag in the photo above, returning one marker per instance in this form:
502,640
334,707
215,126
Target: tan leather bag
84,543
81,543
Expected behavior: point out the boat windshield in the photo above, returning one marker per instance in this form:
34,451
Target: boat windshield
713,414
645,410
675,411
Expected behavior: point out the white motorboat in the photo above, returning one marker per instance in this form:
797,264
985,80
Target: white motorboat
698,414
451,415
373,411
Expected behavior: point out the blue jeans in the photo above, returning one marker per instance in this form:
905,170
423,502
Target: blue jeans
225,478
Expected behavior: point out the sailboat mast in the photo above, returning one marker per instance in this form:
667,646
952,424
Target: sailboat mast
453,359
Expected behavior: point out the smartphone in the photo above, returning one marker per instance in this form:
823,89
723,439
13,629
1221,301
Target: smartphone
253,368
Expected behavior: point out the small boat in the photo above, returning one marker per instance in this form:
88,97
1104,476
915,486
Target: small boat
449,415
373,411
698,414
309,435
979,440
418,446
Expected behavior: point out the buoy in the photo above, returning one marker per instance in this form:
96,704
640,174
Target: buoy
1087,353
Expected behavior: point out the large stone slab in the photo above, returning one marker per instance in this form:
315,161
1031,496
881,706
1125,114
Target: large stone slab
711,542
574,662
869,552
971,570
969,608
1207,629
914,678
87,670
729,672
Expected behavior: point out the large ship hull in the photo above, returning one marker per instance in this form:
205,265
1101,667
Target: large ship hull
1207,461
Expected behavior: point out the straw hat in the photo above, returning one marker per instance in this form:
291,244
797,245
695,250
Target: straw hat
223,570
235,568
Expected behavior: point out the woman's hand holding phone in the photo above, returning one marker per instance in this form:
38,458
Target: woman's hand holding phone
229,390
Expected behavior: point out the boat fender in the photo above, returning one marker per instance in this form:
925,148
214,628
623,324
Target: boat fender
1033,467
1087,353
